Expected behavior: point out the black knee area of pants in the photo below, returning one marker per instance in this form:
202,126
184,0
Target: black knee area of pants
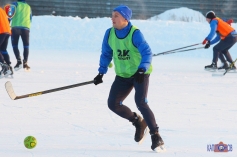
7,58
112,105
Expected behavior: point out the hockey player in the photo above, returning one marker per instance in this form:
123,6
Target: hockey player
225,35
5,32
132,56
20,24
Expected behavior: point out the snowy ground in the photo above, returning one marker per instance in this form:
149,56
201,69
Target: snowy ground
192,108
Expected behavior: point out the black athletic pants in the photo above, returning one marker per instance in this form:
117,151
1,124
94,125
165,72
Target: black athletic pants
4,56
222,47
24,34
120,89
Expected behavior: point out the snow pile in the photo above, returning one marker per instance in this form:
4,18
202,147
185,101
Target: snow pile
181,14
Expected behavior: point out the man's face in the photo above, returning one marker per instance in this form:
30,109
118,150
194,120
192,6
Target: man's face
208,20
118,21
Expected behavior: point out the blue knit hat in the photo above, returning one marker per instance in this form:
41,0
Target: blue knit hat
125,11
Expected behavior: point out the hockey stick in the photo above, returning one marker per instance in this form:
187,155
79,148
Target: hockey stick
178,51
13,96
166,52
231,65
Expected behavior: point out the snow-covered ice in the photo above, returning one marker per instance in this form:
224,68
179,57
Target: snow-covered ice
192,108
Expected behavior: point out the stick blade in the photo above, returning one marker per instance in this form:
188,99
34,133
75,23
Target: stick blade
10,90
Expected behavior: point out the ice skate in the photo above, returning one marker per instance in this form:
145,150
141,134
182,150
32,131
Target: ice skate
211,67
141,128
157,142
18,65
5,70
26,66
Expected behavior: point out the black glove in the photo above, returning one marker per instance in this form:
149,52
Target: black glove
98,79
139,75
207,45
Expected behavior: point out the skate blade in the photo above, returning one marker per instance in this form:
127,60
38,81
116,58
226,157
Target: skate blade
146,131
27,70
223,70
232,71
7,74
160,149
18,68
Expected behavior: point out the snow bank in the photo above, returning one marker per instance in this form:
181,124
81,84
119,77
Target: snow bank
86,35
181,14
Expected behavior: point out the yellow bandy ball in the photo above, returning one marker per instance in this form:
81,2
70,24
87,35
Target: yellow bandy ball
30,142
110,65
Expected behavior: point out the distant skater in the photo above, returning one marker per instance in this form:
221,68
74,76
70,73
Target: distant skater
225,35
20,24
5,32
